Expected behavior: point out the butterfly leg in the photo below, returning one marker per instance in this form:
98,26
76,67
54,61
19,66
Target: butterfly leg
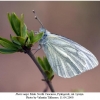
39,47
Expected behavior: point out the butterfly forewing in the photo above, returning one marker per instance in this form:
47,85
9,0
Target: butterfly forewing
66,57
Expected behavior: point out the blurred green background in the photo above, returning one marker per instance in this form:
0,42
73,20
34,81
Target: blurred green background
79,21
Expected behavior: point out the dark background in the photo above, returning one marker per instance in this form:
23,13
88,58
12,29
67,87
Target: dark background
79,21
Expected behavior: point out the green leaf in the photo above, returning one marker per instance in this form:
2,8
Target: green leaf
31,36
41,63
23,27
37,37
19,40
24,31
48,70
15,23
7,44
3,39
16,43
9,18
47,65
7,51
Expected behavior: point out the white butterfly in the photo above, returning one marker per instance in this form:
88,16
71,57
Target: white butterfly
66,57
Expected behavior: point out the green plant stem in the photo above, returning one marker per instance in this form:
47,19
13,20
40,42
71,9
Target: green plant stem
39,67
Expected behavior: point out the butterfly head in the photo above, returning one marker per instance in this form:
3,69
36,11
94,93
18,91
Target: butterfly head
46,32
42,30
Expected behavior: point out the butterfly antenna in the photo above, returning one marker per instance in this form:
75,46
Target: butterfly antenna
37,18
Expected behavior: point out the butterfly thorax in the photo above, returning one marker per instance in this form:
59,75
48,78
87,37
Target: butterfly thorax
44,39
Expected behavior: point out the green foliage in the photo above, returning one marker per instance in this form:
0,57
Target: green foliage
7,51
31,36
46,67
23,27
37,37
23,38
15,23
23,41
18,40
7,44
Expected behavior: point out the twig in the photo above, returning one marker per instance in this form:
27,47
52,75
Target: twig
46,88
39,67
